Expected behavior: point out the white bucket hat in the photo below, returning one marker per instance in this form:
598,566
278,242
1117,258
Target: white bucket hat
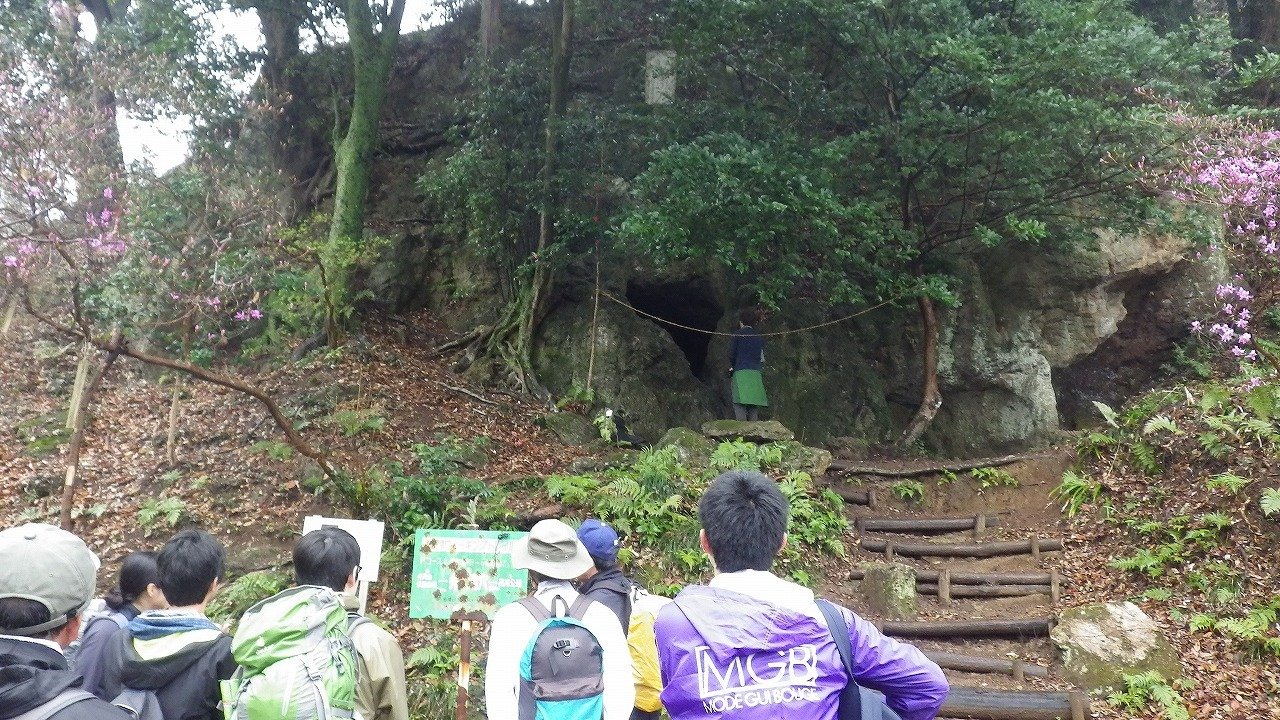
552,549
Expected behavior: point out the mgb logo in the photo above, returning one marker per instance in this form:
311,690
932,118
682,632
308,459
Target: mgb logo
796,666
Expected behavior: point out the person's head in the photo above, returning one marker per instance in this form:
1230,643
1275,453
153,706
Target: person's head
47,577
744,521
189,567
328,557
748,317
139,583
551,550
601,542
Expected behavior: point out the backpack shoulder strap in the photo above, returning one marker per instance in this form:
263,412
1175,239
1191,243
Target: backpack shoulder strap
539,611
60,702
579,607
851,696
354,621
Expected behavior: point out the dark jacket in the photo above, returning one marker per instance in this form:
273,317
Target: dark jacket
97,635
746,350
32,674
181,658
613,590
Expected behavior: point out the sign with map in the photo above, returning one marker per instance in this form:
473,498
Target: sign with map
462,571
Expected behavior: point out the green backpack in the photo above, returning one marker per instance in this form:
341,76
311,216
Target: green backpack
296,660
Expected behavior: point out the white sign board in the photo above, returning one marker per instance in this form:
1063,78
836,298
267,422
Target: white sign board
366,532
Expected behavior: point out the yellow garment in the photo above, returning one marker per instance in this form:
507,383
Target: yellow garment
644,649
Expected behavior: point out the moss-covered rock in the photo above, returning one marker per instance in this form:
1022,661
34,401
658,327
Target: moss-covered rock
41,435
890,589
1102,643
572,428
797,457
761,431
691,447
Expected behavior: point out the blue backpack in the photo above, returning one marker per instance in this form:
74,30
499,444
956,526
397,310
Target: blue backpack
562,669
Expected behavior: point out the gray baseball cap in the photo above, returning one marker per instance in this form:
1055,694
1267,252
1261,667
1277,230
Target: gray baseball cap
50,566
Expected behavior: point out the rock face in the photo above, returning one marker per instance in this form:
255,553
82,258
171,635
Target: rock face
690,445
572,428
1101,643
756,431
890,589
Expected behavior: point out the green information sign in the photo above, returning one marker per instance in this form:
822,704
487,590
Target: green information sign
464,570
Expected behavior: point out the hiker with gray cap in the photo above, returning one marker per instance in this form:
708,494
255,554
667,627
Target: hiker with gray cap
47,577
556,651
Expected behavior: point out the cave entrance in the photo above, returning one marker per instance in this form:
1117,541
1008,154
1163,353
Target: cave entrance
686,302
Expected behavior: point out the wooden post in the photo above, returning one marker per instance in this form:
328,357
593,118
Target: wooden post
888,551
77,388
1079,705
1019,670
871,498
10,309
979,526
944,587
1055,585
363,594
1035,548
464,671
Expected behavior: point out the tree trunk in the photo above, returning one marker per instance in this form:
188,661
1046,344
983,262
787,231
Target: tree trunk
77,442
101,99
373,54
490,27
931,396
289,142
171,440
10,310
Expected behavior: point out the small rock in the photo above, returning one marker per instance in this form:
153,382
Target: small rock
592,463
41,486
850,448
760,431
1101,643
801,458
572,428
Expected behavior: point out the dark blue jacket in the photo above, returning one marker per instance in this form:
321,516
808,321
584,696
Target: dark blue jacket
746,350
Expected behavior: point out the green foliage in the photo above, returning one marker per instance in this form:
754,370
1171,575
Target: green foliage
742,455
817,519
1270,502
273,449
355,422
573,490
1230,482
1146,689
1255,631
1076,491
1181,538
430,493
241,594
908,490
989,477
154,511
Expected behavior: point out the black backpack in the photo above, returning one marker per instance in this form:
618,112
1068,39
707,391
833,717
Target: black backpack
856,702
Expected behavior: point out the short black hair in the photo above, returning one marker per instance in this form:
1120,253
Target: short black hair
18,613
137,571
748,316
326,557
744,515
187,567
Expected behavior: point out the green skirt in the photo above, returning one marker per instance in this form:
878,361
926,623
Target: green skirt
748,388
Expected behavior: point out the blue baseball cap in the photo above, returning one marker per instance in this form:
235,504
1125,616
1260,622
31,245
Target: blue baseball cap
600,540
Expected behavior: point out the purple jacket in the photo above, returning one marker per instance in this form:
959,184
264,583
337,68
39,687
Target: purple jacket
728,655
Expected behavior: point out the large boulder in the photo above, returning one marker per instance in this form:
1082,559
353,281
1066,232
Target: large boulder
797,457
691,447
1102,643
572,428
890,590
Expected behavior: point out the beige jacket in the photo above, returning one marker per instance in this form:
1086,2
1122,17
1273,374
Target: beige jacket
380,685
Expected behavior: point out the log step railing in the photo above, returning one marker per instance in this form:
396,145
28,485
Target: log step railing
1034,546
977,523
1018,669
947,584
1027,627
981,704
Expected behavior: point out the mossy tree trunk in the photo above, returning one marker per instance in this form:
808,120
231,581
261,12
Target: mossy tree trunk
373,48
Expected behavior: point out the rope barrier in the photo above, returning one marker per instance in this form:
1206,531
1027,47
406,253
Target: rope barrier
655,318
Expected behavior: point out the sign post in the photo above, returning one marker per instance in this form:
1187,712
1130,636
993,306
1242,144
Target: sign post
464,576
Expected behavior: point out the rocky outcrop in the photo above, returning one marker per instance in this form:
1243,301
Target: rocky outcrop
1102,643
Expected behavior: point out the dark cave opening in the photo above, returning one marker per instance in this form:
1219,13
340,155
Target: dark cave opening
685,302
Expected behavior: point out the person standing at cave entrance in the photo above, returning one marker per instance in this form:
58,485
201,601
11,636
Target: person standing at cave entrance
746,357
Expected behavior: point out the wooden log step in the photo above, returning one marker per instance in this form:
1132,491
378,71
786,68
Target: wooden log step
987,591
1028,627
972,663
855,497
982,704
973,578
1033,547
923,525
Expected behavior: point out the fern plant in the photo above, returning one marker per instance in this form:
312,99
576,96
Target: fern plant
1230,482
171,510
1270,501
1076,491
1147,688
